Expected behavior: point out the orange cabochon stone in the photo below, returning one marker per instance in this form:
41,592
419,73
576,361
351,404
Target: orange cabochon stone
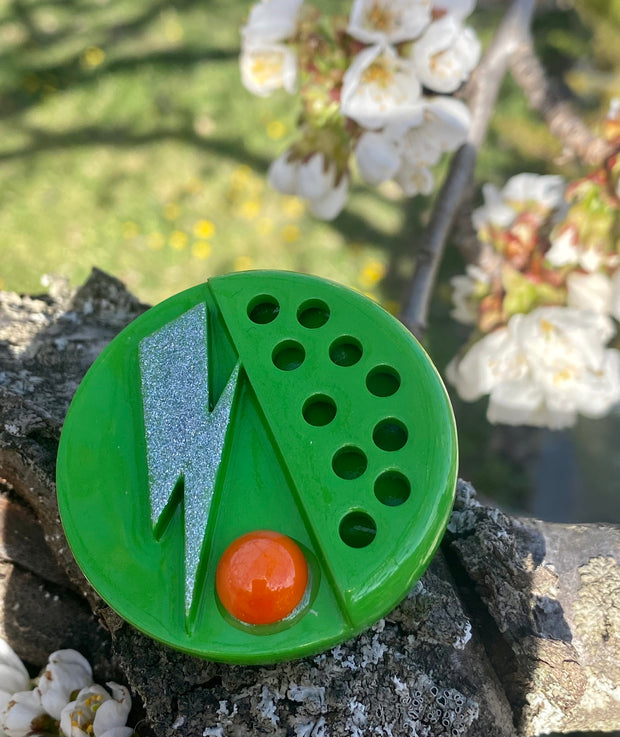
262,577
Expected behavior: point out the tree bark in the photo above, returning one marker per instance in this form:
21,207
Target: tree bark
514,628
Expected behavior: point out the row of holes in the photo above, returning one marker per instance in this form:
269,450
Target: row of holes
382,381
389,434
313,313
357,529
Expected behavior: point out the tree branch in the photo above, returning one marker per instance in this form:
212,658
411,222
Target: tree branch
549,99
481,93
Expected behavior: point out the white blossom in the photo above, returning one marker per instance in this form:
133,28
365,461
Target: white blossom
266,67
388,21
589,291
566,250
380,87
314,178
613,111
331,203
502,206
444,126
414,178
13,674
491,361
377,156
66,671
271,21
568,359
446,54
22,709
465,287
495,211
460,9
543,368
546,190
95,712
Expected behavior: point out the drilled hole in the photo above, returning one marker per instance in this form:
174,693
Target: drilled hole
392,488
313,314
383,381
357,529
263,309
349,463
288,355
390,434
319,410
345,351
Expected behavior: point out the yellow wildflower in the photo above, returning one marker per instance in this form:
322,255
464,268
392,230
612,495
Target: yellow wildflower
276,130
294,207
201,250
372,272
178,240
93,57
204,229
290,233
250,209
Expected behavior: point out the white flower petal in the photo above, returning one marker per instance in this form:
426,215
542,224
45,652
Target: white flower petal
22,709
118,732
464,287
330,205
315,177
520,402
494,211
446,54
493,360
114,712
268,67
450,121
460,9
546,190
589,292
67,671
283,172
272,20
13,674
414,178
388,21
563,249
377,157
590,259
94,711
380,87
613,111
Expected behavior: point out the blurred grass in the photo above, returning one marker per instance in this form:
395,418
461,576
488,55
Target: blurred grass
127,142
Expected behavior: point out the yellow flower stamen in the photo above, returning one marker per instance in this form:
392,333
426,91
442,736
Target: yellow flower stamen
565,374
267,66
380,18
379,73
546,327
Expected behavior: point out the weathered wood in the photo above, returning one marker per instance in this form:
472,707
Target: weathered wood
516,622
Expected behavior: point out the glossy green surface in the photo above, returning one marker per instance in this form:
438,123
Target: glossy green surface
341,436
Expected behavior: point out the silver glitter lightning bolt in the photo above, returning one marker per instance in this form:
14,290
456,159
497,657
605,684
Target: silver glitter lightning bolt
184,440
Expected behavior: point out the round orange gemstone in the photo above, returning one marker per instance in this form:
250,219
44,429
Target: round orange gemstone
261,577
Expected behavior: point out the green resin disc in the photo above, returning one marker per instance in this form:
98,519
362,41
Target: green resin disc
257,401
